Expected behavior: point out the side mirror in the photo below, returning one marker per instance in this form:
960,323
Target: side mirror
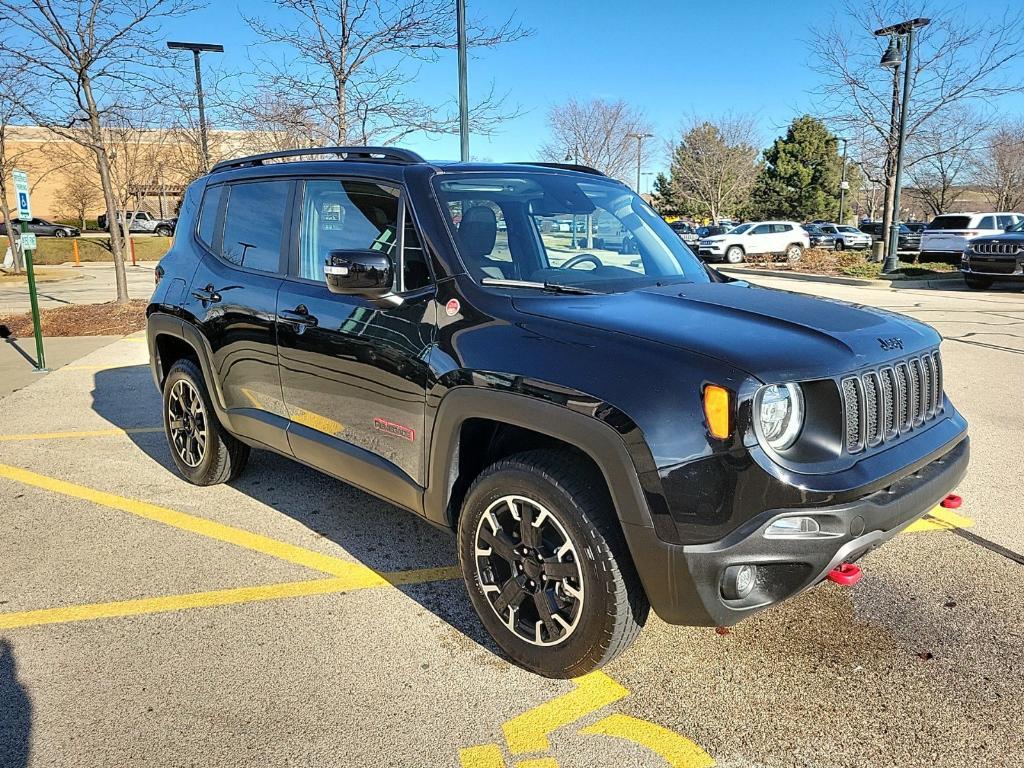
364,273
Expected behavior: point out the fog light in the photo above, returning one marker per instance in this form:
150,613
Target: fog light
793,528
738,581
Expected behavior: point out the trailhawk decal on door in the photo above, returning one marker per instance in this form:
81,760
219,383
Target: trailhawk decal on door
394,429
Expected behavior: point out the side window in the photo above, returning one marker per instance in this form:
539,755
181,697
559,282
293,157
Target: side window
779,228
987,222
254,224
1005,221
208,217
345,214
761,229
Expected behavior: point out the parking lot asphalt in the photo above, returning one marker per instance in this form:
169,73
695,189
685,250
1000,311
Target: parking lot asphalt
289,619
94,285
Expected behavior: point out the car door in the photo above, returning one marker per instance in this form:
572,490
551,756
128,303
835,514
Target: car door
353,369
243,231
759,239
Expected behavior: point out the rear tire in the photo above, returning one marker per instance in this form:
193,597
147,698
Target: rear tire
734,254
977,283
202,450
793,253
554,586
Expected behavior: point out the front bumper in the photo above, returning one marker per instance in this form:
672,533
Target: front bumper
994,268
683,581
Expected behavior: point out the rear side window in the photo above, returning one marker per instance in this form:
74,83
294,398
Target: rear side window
208,216
950,222
254,224
777,228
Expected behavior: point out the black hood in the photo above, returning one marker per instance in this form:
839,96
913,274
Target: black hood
768,333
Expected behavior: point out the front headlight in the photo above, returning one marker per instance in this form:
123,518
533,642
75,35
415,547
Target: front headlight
780,412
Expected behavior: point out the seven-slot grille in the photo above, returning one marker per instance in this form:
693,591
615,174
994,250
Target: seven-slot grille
879,405
996,249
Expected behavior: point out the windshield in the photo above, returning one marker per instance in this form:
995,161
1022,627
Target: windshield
847,228
561,229
740,229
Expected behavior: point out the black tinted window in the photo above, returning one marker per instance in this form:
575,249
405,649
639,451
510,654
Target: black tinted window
950,222
208,215
254,224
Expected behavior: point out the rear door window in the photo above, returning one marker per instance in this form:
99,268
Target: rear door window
254,224
950,222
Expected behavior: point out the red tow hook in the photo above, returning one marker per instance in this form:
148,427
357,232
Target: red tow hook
951,502
845,574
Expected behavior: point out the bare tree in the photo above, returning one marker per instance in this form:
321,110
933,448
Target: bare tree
596,133
961,59
87,57
714,166
347,68
1000,170
946,155
77,197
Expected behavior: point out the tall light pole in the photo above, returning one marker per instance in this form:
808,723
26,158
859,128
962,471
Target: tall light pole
196,49
460,23
891,58
842,184
639,153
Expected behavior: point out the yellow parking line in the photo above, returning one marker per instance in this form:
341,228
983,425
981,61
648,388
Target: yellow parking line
529,731
80,433
357,579
198,525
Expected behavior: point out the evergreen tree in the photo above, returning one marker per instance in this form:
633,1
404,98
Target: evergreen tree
800,177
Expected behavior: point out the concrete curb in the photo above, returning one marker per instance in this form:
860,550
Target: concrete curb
947,282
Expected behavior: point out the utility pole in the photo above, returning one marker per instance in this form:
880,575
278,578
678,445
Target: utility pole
460,19
639,153
196,49
842,185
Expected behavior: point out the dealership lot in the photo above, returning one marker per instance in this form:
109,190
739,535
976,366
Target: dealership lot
289,619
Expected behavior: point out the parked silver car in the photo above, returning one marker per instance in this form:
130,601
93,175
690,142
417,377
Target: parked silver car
847,236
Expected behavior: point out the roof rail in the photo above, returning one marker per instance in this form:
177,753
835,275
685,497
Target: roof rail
371,154
563,166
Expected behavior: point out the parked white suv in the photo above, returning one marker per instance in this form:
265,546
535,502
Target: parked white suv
775,237
947,236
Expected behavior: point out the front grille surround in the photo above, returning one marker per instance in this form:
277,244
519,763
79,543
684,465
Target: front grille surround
996,249
882,404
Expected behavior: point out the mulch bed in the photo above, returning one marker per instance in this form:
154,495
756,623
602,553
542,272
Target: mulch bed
110,319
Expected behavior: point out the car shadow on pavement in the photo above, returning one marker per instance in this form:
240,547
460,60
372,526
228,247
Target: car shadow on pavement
377,534
15,712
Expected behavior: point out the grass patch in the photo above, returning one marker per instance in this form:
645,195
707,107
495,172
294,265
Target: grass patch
110,319
57,250
43,275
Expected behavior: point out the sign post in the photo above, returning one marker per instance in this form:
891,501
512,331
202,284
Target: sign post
28,245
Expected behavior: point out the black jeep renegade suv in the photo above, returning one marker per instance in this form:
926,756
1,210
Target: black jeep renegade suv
604,431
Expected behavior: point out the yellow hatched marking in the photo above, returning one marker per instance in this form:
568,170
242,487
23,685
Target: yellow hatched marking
484,756
81,433
678,751
540,762
529,731
939,519
198,525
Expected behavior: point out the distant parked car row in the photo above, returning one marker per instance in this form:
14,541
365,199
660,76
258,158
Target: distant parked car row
42,228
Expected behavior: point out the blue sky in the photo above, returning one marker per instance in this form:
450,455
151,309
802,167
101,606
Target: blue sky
671,58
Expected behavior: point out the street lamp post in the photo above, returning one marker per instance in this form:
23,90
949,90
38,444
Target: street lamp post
891,58
460,23
196,49
639,153
842,185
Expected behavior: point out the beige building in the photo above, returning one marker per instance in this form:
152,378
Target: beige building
150,167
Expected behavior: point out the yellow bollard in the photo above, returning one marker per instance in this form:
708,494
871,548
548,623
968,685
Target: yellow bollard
74,246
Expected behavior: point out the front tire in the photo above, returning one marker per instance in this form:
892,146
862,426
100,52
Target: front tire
60,233
202,450
840,245
546,564
734,254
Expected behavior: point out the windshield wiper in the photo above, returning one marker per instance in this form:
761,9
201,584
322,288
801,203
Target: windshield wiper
550,287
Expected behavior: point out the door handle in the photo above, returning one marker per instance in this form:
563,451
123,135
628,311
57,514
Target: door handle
299,316
207,294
